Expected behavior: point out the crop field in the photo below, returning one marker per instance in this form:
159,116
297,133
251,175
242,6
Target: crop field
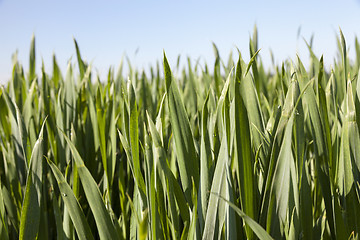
227,151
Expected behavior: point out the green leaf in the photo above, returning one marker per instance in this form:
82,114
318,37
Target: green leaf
187,157
254,114
255,227
4,232
81,64
348,171
211,229
205,162
58,220
77,216
32,60
320,146
134,138
170,183
20,134
102,217
30,213
151,191
252,60
344,56
246,179
306,215
280,187
143,228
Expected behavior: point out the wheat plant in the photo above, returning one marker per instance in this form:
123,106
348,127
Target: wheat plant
230,151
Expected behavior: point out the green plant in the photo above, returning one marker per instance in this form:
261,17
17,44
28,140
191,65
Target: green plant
242,155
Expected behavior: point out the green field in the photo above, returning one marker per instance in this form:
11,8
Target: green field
227,151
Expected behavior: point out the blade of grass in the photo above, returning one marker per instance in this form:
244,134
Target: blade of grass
30,213
58,220
134,138
306,215
4,232
170,183
247,185
205,161
102,217
280,187
77,216
20,134
187,157
255,227
32,60
348,172
81,64
344,56
211,229
321,152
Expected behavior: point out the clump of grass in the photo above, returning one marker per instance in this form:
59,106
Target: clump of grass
242,155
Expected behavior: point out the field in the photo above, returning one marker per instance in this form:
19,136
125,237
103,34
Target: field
229,151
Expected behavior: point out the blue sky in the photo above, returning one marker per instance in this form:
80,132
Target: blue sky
106,30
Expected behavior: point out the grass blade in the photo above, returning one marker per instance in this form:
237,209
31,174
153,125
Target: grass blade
248,194
81,64
32,60
134,138
30,213
4,232
205,161
102,217
255,227
211,229
77,216
187,157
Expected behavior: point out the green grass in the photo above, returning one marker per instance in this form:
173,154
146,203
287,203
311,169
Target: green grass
236,152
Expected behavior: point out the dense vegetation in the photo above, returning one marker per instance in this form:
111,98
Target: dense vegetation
234,152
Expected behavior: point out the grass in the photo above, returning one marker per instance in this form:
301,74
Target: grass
233,153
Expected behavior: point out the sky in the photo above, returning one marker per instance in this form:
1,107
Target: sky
108,30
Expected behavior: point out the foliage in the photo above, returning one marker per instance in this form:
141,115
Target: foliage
239,153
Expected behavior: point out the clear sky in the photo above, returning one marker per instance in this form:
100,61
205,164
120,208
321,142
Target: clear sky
106,30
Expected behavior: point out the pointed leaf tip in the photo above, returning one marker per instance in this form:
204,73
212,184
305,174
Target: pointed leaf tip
238,72
167,72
